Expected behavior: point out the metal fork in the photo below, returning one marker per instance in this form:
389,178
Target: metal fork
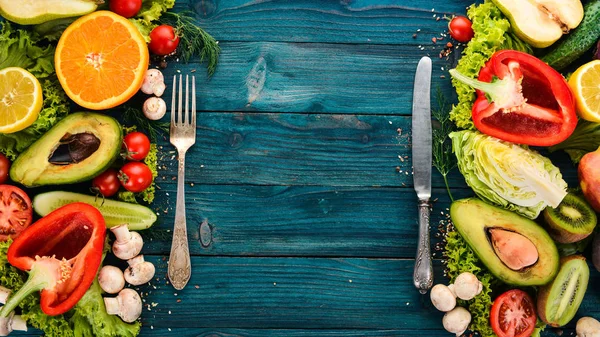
183,136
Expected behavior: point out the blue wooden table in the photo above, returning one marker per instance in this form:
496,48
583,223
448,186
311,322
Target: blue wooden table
301,212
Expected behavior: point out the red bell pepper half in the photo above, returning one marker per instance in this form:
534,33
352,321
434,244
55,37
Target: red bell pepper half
62,252
522,100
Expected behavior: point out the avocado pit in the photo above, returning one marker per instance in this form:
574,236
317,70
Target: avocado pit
73,149
516,251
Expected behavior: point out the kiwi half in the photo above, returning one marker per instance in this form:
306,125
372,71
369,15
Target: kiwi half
559,300
573,220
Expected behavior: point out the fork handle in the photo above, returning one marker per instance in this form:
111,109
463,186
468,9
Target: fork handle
180,267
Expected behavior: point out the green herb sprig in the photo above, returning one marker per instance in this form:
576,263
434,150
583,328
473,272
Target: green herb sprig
443,159
193,39
133,116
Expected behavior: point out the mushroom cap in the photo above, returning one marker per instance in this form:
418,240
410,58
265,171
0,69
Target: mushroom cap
154,108
442,297
457,320
111,279
130,248
140,273
467,286
130,305
152,78
587,327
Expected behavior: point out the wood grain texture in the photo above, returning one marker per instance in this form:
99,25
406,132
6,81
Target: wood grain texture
296,220
312,77
305,149
358,21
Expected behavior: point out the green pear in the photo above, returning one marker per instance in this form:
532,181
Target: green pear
541,22
32,12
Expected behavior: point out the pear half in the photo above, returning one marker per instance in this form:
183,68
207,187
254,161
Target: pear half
541,22
32,12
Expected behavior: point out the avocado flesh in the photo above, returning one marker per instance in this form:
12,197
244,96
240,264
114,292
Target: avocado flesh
541,22
31,12
474,218
34,167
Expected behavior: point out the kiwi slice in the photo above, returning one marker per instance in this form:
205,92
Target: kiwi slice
559,300
573,220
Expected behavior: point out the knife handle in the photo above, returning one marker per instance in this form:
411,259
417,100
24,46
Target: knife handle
423,275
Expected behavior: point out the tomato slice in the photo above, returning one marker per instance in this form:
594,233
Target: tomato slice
513,314
15,211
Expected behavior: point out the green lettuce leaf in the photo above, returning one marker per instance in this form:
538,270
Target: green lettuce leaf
90,317
20,48
506,174
585,139
151,11
491,34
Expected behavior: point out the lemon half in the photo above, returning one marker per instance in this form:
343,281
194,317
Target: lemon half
585,84
20,99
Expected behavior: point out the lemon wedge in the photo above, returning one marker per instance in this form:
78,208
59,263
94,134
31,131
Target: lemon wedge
585,84
20,99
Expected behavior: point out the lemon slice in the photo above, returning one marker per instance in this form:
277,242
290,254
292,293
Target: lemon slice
585,84
20,99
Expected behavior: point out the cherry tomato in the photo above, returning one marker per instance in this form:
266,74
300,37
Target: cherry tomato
107,183
461,29
513,314
126,8
15,211
163,40
137,145
4,168
135,176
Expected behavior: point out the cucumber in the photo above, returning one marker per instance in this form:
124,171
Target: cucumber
115,212
579,40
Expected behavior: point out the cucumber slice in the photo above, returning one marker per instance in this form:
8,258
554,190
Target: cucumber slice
32,12
115,212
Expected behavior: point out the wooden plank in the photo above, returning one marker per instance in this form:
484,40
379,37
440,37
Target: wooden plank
313,77
303,149
296,221
364,21
304,293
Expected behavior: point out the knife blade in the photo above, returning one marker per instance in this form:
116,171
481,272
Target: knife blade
421,159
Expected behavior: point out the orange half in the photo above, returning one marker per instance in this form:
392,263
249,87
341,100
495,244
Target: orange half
100,60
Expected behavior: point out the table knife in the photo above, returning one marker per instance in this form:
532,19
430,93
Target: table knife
421,160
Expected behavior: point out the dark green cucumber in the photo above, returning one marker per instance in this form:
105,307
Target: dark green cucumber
580,40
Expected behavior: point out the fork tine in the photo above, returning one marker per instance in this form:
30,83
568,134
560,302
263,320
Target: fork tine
194,102
186,120
179,108
173,100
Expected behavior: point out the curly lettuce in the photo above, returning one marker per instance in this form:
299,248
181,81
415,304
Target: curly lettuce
491,34
151,11
21,48
506,174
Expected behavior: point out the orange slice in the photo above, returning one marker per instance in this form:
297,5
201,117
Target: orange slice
100,60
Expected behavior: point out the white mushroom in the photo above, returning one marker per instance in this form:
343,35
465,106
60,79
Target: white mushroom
154,83
11,323
154,108
443,298
139,271
467,286
457,321
4,293
127,305
111,279
587,327
128,244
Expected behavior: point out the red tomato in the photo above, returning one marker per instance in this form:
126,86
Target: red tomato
4,168
513,314
461,29
126,8
135,176
137,145
107,183
15,211
163,40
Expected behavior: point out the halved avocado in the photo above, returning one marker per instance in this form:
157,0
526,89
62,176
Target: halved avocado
503,241
77,148
31,12
541,22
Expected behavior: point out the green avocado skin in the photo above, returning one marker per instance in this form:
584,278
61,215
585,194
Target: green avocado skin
32,168
473,217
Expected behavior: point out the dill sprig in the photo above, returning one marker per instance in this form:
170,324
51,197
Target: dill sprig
193,39
443,159
133,116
